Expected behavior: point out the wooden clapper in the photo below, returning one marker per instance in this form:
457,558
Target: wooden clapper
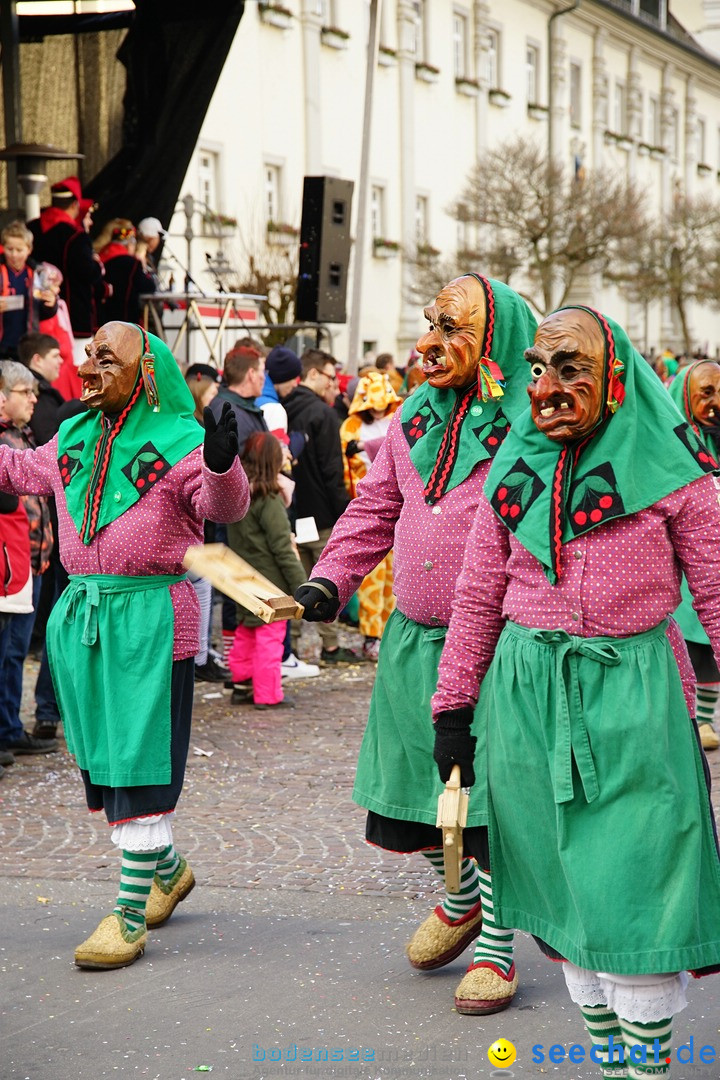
452,819
241,582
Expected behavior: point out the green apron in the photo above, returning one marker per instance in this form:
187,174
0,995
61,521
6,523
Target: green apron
396,774
110,647
601,839
687,618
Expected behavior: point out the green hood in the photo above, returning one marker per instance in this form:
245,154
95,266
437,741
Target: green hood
108,464
450,431
641,450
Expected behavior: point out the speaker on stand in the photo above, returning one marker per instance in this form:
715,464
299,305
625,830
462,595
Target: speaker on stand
324,250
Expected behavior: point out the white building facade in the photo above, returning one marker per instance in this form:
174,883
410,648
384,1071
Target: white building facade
633,88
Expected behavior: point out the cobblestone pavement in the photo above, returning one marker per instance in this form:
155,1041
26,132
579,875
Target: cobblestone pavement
271,806
266,799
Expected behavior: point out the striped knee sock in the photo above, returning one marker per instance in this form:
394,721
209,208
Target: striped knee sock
640,1040
603,1026
228,636
495,944
168,861
705,701
455,905
136,878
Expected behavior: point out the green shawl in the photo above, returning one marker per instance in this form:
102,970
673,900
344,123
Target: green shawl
679,391
641,450
108,463
686,616
450,431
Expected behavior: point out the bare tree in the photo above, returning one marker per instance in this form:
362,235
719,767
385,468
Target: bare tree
539,226
678,259
271,270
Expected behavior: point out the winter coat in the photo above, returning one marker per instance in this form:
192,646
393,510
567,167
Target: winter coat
15,575
44,420
61,241
35,310
320,490
36,506
263,539
129,282
249,417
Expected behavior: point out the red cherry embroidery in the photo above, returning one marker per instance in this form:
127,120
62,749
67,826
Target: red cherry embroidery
152,477
158,465
606,502
580,517
140,483
514,510
596,515
504,509
502,493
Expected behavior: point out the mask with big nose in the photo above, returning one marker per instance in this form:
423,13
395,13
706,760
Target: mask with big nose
451,346
567,367
109,373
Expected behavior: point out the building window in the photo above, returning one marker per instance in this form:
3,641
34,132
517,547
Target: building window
272,193
492,59
620,109
575,95
420,32
207,179
422,208
460,40
377,212
654,134
701,141
326,13
532,73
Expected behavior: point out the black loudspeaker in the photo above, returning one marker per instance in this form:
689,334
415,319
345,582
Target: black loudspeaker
324,250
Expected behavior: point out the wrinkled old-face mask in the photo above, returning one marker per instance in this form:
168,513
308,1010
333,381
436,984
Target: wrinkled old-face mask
567,370
450,348
110,371
704,394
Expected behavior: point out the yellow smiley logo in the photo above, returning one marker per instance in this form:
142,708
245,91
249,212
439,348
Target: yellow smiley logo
502,1053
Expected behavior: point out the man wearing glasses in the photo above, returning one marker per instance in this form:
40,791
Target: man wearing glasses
318,473
17,403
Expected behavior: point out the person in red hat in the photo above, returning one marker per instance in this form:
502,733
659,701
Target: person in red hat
61,238
125,273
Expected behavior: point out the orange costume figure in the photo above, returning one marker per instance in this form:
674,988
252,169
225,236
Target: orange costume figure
361,436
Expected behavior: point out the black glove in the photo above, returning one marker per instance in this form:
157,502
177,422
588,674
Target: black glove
221,439
320,599
454,745
352,448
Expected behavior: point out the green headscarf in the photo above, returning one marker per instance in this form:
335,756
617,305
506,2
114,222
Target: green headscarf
107,466
640,450
679,391
449,431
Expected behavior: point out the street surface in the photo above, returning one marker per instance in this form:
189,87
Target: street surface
290,951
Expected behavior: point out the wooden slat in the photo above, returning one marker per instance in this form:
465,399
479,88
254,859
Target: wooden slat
241,582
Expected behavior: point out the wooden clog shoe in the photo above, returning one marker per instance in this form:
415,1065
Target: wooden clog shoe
439,940
484,989
111,945
166,895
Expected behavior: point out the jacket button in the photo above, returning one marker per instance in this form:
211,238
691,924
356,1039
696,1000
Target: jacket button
427,565
574,615
117,496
